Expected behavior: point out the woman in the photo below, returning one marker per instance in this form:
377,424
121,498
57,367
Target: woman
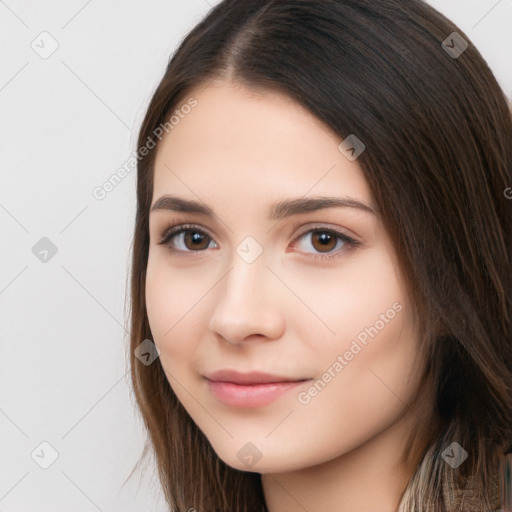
321,263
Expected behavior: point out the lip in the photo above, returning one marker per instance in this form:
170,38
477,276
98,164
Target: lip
254,389
249,378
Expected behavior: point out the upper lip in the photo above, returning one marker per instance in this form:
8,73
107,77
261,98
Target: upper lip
248,378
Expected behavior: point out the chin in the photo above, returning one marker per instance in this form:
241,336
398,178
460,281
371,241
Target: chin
263,458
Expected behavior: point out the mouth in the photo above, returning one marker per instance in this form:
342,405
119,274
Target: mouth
254,389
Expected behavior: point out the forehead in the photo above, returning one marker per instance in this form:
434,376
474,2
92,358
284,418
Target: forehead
253,143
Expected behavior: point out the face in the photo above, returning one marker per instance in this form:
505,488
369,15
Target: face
311,295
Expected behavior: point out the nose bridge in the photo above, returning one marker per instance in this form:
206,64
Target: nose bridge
245,284
248,277
245,304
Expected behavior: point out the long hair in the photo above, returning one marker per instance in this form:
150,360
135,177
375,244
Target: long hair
438,135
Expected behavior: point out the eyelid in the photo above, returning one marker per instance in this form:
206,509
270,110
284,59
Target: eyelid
178,228
349,240
317,226
181,223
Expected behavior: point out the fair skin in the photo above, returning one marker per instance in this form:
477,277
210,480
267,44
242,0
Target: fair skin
286,312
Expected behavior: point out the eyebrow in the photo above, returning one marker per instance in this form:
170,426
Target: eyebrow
278,210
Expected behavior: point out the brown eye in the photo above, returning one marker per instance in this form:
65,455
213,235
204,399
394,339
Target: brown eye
323,241
195,240
186,239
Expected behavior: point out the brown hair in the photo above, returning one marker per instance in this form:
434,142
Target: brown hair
437,130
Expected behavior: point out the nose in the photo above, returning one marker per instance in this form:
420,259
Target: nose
247,305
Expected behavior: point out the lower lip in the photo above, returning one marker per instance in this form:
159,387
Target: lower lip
256,395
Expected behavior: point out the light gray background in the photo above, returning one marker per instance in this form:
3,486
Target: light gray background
67,123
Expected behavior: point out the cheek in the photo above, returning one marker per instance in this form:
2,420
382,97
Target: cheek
372,384
172,304
367,371
347,300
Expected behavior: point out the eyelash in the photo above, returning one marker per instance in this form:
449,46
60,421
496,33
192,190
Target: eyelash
172,231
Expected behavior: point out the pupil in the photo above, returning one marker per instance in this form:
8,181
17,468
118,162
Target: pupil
196,238
325,240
